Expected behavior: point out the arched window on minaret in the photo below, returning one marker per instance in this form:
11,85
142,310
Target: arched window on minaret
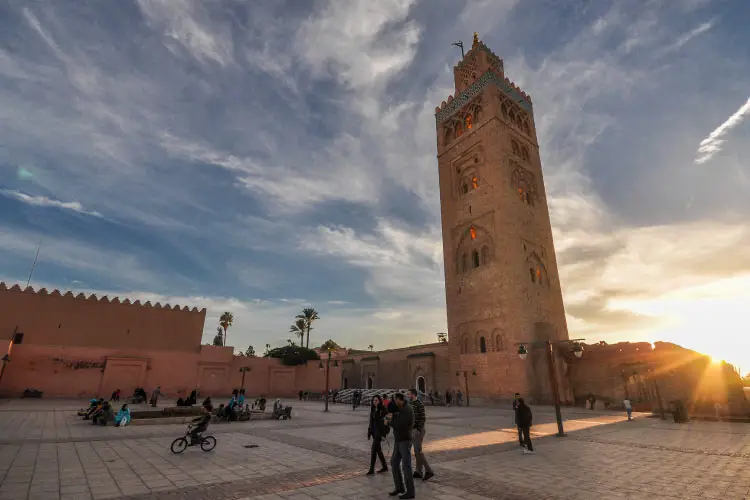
459,130
467,122
525,153
504,110
482,344
448,135
477,115
474,259
515,148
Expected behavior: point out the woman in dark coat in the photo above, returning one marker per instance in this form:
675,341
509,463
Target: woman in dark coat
377,430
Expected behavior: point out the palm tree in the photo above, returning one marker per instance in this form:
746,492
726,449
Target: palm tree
298,329
226,320
308,315
371,347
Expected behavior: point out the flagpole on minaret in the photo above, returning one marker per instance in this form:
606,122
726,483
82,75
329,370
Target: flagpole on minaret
31,273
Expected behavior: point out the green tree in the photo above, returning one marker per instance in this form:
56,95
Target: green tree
330,345
219,337
298,329
226,320
250,352
309,315
292,355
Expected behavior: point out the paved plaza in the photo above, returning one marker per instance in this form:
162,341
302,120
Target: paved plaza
48,453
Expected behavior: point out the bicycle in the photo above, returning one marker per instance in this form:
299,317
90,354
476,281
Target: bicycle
207,443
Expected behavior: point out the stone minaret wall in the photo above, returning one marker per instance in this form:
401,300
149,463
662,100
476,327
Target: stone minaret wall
501,278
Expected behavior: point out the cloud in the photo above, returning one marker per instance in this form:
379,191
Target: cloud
712,145
362,44
682,40
185,25
402,265
43,201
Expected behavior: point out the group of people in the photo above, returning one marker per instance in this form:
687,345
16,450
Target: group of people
100,412
407,420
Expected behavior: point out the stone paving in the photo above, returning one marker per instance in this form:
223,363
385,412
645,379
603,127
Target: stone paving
48,453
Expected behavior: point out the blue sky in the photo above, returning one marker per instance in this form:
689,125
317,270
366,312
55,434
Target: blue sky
261,156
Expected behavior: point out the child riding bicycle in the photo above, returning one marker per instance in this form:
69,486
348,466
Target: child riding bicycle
200,424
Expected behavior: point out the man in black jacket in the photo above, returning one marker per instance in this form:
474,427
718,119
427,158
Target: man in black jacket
523,421
402,423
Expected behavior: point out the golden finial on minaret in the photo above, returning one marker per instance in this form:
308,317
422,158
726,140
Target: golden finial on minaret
476,40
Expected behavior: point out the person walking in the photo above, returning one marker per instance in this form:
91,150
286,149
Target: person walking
417,437
523,421
402,422
516,397
628,408
377,431
155,396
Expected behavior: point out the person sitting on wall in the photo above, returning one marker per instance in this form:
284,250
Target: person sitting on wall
180,402
241,398
102,415
93,409
193,397
123,416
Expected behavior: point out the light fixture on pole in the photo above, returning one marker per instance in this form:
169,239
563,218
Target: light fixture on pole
328,373
549,347
466,382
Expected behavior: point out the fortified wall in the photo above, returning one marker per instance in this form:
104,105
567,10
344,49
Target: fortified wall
645,374
69,345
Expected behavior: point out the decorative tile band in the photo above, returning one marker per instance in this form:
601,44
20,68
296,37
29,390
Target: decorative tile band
475,89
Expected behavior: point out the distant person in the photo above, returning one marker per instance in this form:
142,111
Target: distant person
523,421
155,396
200,424
123,416
628,408
516,397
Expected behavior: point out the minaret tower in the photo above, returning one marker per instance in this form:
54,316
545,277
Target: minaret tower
501,279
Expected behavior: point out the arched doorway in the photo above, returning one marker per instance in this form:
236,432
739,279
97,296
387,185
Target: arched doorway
421,384
345,384
369,382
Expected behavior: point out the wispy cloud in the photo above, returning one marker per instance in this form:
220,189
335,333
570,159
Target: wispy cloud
713,144
43,201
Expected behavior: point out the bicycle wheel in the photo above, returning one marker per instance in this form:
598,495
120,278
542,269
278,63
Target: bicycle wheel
208,443
179,445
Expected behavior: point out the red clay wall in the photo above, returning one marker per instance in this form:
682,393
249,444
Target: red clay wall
635,370
55,319
83,372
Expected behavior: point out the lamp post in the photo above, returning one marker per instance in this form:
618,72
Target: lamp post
466,382
549,347
328,373
243,371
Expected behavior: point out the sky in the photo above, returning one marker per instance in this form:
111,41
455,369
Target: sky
262,156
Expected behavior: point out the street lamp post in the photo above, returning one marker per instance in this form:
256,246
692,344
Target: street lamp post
466,382
243,371
328,373
549,347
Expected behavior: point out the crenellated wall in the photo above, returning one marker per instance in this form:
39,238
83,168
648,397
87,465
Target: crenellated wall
55,318
85,372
